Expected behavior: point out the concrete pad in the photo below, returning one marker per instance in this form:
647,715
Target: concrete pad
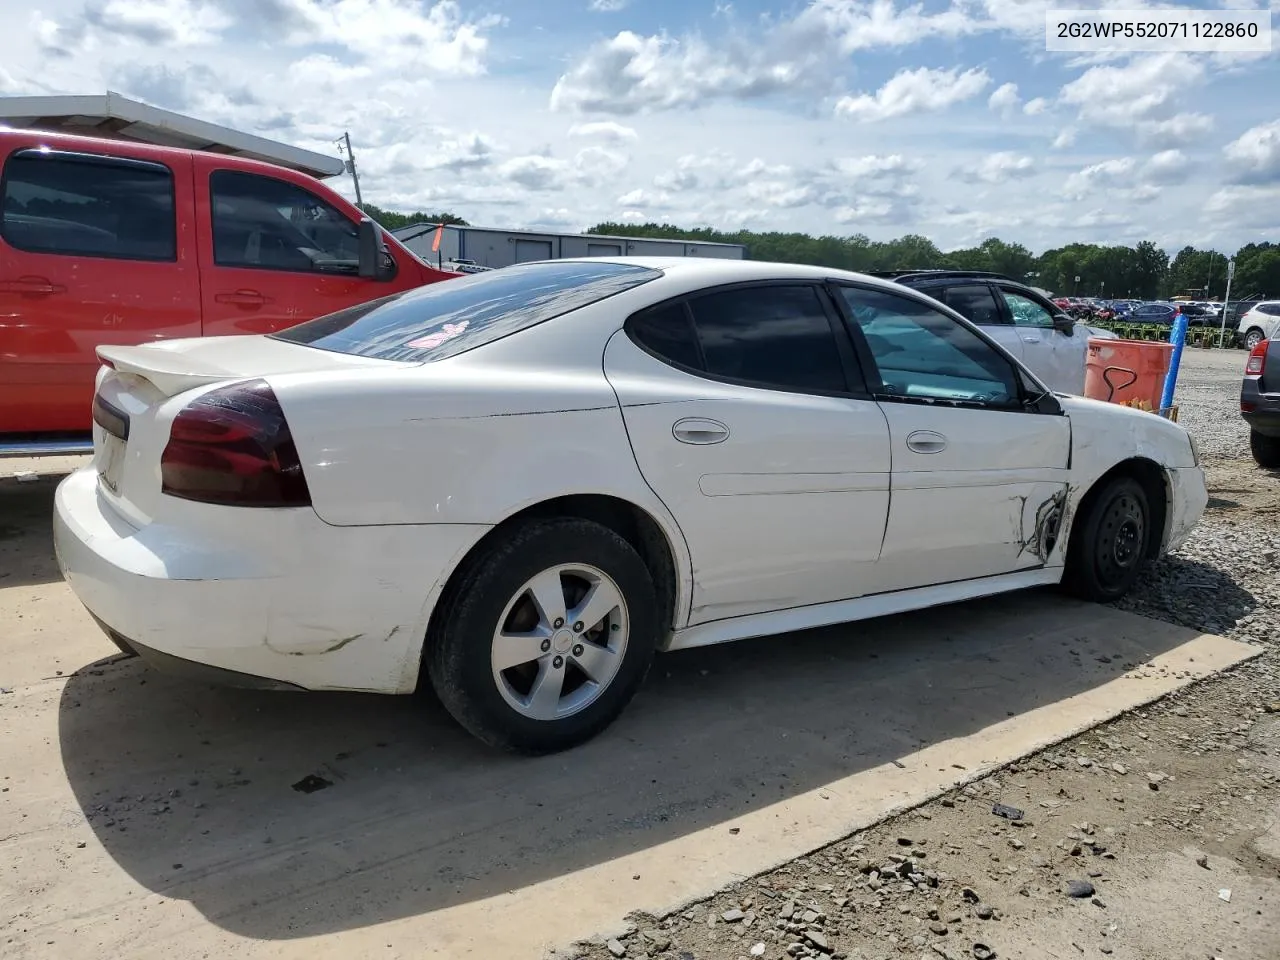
427,845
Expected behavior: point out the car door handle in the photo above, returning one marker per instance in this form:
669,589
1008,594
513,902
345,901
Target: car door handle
31,285
926,441
700,431
244,298
1030,339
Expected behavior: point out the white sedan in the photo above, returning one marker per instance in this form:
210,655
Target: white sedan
518,485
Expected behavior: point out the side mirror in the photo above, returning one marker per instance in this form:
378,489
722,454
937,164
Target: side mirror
370,247
1064,324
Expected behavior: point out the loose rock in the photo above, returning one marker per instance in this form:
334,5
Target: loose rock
1079,889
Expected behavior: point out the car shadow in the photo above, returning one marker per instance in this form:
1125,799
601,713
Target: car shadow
200,793
1180,590
26,531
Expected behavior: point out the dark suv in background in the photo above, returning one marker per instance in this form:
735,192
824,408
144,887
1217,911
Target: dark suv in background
1260,402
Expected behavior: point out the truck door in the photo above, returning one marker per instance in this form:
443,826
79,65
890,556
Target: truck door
95,248
274,253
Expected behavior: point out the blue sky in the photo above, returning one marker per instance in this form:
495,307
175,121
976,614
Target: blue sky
828,116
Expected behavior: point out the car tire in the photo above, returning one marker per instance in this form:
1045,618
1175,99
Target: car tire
1265,450
489,617
1252,337
1108,542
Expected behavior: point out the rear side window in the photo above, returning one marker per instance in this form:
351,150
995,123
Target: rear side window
1270,309
452,316
975,302
89,206
774,336
667,332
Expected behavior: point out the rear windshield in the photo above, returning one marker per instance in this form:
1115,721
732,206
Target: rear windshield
452,316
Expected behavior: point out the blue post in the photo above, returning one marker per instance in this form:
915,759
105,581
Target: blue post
1178,337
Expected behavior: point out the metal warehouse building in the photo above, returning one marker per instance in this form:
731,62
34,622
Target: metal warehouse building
492,247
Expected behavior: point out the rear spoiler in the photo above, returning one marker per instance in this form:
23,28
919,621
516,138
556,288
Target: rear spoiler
171,373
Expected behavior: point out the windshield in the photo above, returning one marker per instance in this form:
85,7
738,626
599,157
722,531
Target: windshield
449,317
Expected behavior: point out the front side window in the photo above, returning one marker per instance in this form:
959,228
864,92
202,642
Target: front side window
1026,312
774,336
270,224
975,302
450,317
87,205
923,354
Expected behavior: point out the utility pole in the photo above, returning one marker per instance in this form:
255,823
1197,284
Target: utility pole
351,166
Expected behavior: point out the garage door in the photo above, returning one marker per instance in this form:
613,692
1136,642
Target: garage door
604,250
528,250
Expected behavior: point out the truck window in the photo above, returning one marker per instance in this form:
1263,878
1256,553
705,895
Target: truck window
88,206
268,224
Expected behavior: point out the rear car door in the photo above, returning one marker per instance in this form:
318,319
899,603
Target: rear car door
273,253
977,303
979,474
95,248
1054,355
749,419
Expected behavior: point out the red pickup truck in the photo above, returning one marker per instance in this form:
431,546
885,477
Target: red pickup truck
111,242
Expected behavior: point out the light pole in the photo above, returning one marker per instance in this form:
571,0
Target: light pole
1226,301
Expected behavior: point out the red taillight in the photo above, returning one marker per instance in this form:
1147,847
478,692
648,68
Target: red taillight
233,446
1253,367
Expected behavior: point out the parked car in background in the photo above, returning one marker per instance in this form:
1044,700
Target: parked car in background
1260,401
108,241
1030,326
1261,322
713,450
1154,313
1197,314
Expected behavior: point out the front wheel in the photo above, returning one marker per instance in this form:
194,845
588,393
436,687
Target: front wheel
1108,542
547,636
1265,450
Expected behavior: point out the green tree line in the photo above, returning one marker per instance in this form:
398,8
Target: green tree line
1143,271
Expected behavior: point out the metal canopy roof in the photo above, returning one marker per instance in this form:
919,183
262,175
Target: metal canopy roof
120,118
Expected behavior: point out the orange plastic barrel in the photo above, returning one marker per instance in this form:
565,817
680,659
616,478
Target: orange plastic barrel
1124,371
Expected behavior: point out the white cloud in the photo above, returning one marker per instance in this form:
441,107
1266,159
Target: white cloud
1142,89
1086,181
1247,206
999,168
536,172
1254,156
629,73
914,91
1066,137
1168,166
1005,99
1035,106
1176,131
607,6
605,130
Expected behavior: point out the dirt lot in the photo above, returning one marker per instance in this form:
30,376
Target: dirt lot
144,817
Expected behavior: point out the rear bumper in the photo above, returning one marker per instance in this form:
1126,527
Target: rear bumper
320,607
1264,416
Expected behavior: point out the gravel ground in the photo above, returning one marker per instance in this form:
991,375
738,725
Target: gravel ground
1153,837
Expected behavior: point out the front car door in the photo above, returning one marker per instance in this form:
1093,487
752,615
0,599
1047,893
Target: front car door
273,253
749,419
979,475
1052,354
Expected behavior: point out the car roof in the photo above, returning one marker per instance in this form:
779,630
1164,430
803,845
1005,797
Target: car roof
724,270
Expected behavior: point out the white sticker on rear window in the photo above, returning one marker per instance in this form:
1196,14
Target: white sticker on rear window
445,333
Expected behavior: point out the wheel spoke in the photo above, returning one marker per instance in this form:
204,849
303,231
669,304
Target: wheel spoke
544,698
597,662
601,600
513,649
548,595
